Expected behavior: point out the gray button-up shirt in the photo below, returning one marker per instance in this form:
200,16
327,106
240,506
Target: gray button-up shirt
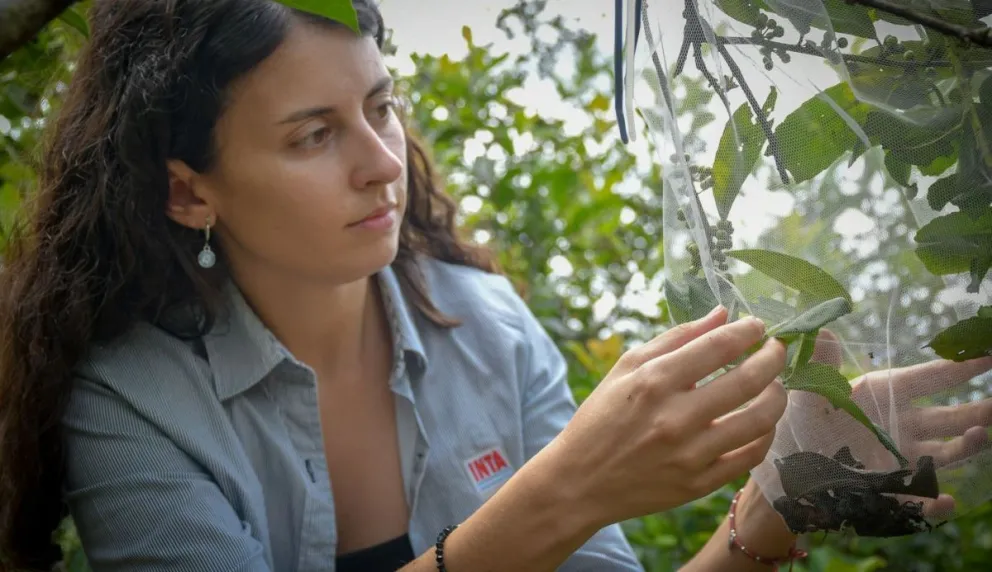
208,455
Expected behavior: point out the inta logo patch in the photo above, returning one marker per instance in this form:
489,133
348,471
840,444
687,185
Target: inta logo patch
489,470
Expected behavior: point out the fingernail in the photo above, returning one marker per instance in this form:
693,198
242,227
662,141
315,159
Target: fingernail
715,311
757,321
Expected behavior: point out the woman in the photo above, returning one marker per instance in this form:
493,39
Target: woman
242,334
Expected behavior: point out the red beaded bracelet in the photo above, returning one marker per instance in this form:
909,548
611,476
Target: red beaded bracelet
732,543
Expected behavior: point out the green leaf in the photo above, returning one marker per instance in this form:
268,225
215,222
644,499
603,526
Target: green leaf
745,11
810,321
772,310
967,339
985,92
826,381
974,189
912,143
9,203
890,17
939,166
889,86
740,147
800,352
898,169
978,269
793,272
22,100
806,349
942,192
338,10
971,199
802,13
849,18
690,300
953,12
814,136
956,243
73,18
840,16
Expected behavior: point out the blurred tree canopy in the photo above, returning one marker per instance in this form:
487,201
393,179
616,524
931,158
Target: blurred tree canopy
576,221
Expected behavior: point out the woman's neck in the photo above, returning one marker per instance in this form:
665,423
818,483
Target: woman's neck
330,328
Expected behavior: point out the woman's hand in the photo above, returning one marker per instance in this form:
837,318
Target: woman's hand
648,440
948,434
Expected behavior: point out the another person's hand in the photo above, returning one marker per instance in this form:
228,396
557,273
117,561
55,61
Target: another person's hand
648,440
948,434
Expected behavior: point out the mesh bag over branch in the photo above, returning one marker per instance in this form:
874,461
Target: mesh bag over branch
828,168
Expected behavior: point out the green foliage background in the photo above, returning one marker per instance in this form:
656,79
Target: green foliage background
544,198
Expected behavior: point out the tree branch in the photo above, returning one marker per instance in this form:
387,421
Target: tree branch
670,101
981,36
694,28
683,52
21,20
758,110
798,49
710,78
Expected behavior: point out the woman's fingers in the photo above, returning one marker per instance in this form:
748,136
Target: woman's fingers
672,339
951,421
731,465
939,508
742,427
931,377
946,453
954,450
705,354
741,384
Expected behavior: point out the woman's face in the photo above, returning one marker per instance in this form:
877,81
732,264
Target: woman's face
311,172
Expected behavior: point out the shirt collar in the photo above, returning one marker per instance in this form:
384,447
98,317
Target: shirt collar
242,351
406,334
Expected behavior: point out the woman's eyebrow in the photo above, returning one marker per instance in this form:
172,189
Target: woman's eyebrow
380,86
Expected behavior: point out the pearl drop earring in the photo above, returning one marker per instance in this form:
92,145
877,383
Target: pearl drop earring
207,258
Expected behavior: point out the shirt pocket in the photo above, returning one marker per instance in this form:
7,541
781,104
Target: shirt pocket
483,454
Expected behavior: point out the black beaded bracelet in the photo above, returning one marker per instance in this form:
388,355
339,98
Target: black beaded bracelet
439,547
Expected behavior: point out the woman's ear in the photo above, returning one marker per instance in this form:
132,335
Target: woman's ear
186,204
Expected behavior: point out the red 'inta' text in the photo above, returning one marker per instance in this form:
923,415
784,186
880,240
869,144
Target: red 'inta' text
487,465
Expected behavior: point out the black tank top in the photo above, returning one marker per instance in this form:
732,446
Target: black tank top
386,557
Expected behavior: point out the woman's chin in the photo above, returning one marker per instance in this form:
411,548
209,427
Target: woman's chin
364,262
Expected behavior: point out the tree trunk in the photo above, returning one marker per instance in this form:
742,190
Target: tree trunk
21,20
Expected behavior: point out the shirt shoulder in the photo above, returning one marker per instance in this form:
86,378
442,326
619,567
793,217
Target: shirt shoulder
148,368
475,297
498,331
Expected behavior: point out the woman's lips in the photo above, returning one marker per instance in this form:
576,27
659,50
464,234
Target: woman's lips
380,219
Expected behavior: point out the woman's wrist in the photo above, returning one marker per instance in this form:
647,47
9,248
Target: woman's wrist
534,522
757,526
760,526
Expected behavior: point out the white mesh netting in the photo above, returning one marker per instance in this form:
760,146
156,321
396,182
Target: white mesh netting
828,168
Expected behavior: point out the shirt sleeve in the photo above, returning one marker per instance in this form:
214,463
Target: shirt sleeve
139,502
548,406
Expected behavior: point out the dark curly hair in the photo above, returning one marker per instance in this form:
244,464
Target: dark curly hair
98,252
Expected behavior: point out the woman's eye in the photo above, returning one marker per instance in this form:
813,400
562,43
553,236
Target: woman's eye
384,110
315,137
